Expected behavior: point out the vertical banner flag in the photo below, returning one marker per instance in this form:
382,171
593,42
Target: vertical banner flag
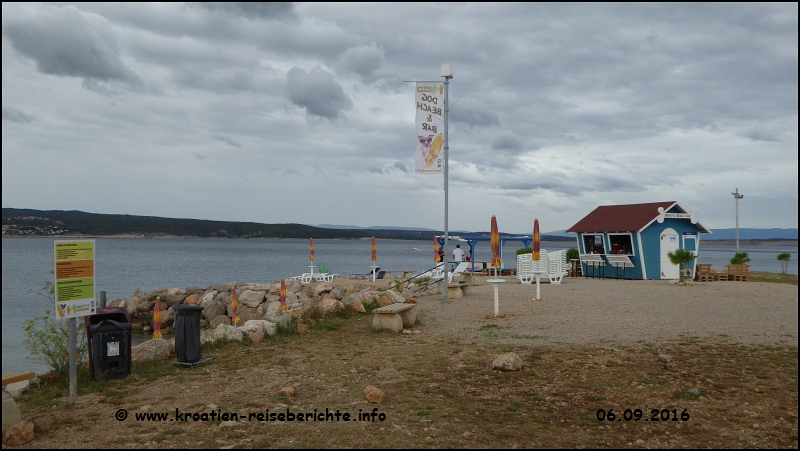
430,126
74,270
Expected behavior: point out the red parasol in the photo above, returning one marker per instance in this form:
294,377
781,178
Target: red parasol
157,318
536,241
374,250
495,240
283,294
311,249
235,306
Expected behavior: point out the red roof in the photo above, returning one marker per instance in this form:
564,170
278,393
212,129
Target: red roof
620,218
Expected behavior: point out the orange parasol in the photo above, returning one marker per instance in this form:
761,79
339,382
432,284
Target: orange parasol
536,241
235,306
374,250
283,294
157,318
495,240
436,257
311,249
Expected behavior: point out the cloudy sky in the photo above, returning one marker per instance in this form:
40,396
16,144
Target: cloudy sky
298,113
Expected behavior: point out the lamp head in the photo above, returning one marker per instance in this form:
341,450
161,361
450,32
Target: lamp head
446,72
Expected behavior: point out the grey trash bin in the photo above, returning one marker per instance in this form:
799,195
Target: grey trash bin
187,333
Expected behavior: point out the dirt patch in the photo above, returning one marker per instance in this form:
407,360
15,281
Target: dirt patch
439,393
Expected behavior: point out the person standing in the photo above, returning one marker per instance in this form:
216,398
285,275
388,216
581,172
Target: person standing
458,254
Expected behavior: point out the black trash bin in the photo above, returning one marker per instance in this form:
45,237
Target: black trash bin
108,336
187,333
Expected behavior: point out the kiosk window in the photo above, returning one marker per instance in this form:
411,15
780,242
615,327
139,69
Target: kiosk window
621,244
593,244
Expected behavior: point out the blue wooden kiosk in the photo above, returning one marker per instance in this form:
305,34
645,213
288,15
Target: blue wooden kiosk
632,241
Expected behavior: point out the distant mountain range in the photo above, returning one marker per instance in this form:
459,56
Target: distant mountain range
728,234
28,222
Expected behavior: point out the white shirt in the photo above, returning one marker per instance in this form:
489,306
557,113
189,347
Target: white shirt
458,255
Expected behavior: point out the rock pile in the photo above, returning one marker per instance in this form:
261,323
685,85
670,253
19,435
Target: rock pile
260,310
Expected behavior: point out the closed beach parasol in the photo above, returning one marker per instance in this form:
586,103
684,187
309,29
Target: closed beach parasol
495,240
235,306
311,249
436,256
374,259
283,294
157,318
537,254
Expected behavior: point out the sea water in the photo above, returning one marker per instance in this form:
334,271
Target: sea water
123,265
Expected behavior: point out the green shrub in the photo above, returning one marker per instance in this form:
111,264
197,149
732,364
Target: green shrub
573,254
47,338
740,258
527,250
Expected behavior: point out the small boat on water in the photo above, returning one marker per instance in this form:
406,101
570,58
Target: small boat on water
416,249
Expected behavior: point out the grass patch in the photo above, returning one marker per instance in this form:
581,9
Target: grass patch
757,276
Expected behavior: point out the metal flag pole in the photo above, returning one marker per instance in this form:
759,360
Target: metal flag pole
736,196
447,74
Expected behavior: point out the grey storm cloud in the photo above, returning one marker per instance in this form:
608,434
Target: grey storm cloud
363,60
400,166
228,141
15,115
259,10
507,141
473,113
66,41
318,93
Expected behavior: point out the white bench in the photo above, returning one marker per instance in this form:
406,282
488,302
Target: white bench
620,260
594,260
394,317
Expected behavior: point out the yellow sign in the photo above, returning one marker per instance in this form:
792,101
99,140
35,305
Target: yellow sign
74,274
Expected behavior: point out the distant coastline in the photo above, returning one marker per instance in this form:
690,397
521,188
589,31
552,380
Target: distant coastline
770,242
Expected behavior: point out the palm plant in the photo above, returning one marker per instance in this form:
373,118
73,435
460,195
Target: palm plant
680,257
784,258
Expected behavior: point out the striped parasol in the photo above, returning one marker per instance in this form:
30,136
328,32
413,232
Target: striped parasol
157,318
283,294
235,306
374,250
537,244
311,249
495,240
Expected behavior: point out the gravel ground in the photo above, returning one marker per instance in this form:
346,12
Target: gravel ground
596,312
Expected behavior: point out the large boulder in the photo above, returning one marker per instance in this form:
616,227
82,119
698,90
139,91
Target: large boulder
390,297
338,293
321,288
192,299
252,298
246,313
273,308
213,309
155,349
508,362
223,331
284,321
219,319
355,287
330,305
208,297
259,326
18,434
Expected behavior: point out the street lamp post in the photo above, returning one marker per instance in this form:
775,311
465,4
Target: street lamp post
737,196
448,75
